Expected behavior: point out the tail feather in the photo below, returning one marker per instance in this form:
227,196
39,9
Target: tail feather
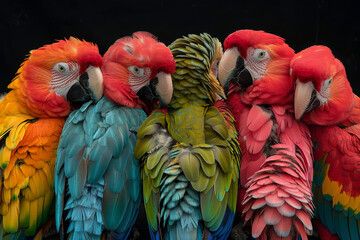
279,198
180,211
85,213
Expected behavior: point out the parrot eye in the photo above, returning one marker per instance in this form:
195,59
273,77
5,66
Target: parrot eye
61,67
261,54
139,72
328,82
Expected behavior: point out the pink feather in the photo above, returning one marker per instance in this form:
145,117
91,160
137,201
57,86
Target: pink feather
258,226
273,200
271,216
257,118
286,210
283,227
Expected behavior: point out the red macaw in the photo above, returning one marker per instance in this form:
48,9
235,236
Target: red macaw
31,119
325,101
276,167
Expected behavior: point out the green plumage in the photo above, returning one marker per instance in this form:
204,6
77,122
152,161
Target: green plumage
192,148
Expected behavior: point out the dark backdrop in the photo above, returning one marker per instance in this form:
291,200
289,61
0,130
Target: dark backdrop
27,25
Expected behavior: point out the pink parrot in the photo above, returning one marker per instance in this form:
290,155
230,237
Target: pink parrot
276,167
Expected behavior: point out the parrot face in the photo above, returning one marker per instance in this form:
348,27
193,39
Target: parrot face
257,62
60,76
321,88
74,87
138,69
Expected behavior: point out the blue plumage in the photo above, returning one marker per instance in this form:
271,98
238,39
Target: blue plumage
96,158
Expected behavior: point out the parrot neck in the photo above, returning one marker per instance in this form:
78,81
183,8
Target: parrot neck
354,115
186,124
12,104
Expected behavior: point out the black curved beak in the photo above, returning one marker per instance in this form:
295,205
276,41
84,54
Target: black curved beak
148,92
89,87
240,76
158,90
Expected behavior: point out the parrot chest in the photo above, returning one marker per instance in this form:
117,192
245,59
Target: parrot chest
187,125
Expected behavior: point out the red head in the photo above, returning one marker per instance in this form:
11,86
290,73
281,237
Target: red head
138,69
258,62
323,94
46,78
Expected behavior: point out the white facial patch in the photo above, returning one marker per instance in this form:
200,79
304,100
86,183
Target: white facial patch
138,77
256,62
324,93
64,76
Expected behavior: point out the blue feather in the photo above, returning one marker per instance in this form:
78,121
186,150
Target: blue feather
343,224
353,228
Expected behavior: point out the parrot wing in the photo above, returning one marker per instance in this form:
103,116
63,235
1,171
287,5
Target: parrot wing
278,188
27,157
336,185
98,143
235,153
152,149
213,172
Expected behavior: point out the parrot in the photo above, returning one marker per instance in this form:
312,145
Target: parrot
188,152
95,157
53,80
325,101
276,167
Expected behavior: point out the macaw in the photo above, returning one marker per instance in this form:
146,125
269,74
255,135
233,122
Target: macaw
96,151
324,100
276,167
51,81
189,151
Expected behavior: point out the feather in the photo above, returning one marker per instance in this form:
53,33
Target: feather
77,182
258,226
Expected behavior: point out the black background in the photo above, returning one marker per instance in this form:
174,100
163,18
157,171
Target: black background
27,25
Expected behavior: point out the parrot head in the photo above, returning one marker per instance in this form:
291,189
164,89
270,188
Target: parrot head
258,63
323,94
58,77
137,71
195,77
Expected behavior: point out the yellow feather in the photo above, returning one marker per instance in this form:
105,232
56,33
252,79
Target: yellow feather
35,185
5,154
33,217
28,194
25,183
4,208
15,193
6,195
27,170
343,198
20,176
24,217
11,219
47,204
49,174
331,188
40,208
353,204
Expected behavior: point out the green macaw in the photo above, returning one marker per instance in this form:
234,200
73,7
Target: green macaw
189,152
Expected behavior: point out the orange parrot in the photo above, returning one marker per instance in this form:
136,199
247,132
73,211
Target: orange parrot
52,80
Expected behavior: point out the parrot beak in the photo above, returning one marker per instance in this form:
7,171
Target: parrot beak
305,98
226,65
164,88
232,70
89,87
160,88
